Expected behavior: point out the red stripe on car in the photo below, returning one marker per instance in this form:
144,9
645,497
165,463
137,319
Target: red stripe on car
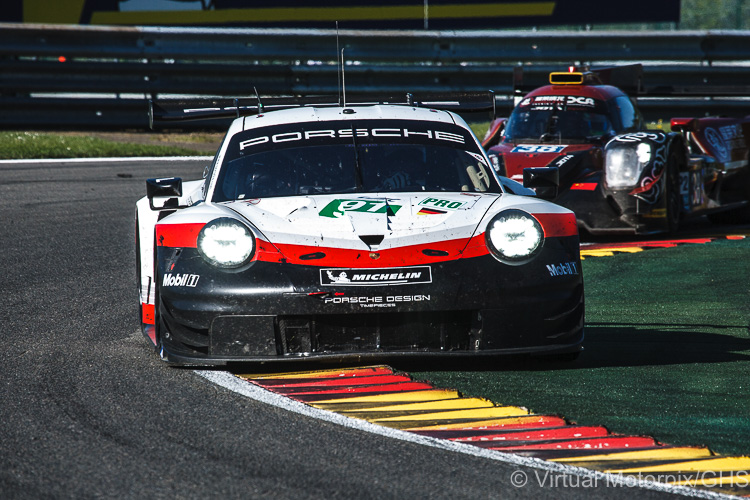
426,253
178,235
558,225
555,225
647,186
147,314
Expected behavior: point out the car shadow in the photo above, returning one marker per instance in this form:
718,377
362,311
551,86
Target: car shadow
616,345
606,345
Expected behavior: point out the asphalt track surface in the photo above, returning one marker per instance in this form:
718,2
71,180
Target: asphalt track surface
88,410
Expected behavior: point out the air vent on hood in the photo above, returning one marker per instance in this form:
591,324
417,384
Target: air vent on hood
371,240
312,256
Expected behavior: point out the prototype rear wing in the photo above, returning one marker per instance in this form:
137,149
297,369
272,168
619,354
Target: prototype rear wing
628,78
177,110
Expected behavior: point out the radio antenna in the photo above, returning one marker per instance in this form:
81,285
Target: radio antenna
260,104
337,62
343,77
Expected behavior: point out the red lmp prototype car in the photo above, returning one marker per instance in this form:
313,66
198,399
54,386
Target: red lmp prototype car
353,231
583,144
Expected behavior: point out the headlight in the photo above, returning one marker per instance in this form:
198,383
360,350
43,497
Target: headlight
226,243
623,166
514,236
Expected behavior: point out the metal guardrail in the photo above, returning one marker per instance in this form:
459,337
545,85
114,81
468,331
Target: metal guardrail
108,73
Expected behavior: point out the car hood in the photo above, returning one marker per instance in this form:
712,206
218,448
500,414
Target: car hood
366,221
519,156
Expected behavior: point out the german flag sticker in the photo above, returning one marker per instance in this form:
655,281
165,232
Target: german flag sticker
430,211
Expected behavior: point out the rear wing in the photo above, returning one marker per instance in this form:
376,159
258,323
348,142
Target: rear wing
178,110
628,78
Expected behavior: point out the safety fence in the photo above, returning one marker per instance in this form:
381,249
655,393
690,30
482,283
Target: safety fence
101,77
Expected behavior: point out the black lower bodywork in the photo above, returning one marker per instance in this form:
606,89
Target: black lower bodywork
609,211
278,311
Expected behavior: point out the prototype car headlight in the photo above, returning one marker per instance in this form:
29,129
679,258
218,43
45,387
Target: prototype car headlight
513,236
226,243
624,165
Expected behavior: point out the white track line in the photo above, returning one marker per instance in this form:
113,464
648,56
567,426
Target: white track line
247,389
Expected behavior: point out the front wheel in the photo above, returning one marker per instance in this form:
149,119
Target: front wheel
741,184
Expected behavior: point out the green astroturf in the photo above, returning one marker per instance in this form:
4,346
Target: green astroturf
667,351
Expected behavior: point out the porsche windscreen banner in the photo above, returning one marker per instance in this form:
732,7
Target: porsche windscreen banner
390,14
364,133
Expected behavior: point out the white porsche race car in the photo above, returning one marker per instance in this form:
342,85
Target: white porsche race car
353,231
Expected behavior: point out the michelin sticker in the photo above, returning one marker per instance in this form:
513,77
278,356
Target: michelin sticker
376,277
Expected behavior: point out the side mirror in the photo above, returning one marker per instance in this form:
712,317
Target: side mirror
516,187
544,180
169,188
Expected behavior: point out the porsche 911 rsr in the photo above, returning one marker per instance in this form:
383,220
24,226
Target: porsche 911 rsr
585,145
354,231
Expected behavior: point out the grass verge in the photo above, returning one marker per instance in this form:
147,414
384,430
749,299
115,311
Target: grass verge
37,145
667,351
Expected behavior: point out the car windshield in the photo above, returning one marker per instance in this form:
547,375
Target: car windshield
323,158
557,118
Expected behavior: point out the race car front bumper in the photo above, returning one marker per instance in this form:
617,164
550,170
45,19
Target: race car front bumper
272,311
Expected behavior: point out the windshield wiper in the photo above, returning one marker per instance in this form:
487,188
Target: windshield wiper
545,137
357,165
551,131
